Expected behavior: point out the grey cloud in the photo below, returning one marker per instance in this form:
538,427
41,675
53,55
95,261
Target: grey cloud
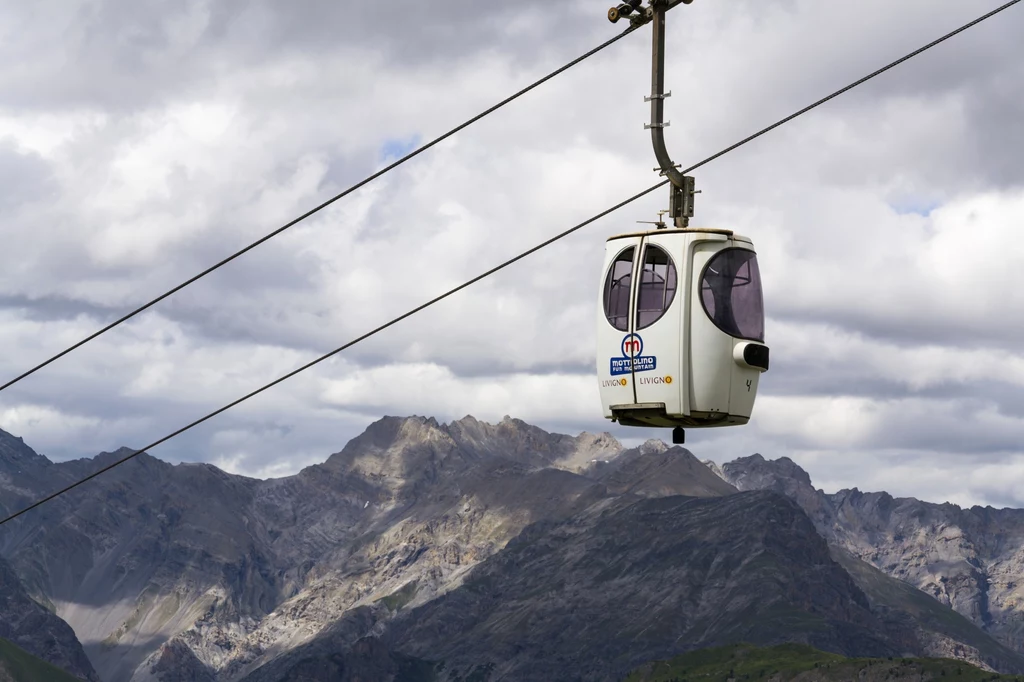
122,54
405,31
801,376
997,499
938,435
25,178
885,327
294,443
50,308
972,68
999,135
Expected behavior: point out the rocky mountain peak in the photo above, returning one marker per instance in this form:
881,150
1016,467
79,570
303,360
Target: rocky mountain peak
757,473
653,446
396,447
784,476
13,450
603,439
711,464
661,471
106,458
392,447
516,440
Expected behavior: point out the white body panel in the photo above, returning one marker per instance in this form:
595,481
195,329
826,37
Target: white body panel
710,375
681,368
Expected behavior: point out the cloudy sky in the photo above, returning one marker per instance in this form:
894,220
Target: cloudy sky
142,141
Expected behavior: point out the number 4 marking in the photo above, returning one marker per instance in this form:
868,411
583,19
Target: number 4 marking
749,382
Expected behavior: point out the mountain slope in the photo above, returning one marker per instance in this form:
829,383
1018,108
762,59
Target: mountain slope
620,583
17,665
38,632
968,559
941,631
151,560
623,585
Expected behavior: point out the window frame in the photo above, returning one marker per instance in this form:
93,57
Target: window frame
606,281
700,292
640,281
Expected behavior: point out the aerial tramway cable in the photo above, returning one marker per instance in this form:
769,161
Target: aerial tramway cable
317,209
502,266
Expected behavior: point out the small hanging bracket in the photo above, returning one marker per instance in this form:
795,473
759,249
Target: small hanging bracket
659,222
680,201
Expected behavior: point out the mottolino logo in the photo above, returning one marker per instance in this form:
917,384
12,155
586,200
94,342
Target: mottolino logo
632,359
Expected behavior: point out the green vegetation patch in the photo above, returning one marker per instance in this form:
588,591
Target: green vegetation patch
24,667
400,597
802,663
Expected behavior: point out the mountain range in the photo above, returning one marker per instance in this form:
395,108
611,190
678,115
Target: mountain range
429,551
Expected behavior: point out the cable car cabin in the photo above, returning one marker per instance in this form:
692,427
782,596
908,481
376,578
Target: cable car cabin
680,335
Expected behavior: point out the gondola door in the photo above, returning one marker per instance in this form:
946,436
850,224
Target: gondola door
654,342
614,369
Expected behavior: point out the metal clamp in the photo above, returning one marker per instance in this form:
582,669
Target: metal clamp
624,10
642,16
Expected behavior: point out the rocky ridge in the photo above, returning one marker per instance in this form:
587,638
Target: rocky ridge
971,559
163,564
620,583
186,572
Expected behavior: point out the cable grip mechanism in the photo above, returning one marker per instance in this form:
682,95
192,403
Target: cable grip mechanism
639,16
631,10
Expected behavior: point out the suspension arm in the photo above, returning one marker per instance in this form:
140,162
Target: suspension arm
681,192
657,98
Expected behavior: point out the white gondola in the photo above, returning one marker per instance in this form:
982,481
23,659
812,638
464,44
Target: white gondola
680,333
680,329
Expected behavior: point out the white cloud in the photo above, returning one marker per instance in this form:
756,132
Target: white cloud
431,389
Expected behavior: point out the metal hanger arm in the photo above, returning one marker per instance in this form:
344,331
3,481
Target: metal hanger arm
657,99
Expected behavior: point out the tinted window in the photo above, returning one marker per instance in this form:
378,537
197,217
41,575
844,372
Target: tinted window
616,290
657,287
731,293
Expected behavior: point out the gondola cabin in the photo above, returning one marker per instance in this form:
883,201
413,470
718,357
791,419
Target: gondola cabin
680,332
